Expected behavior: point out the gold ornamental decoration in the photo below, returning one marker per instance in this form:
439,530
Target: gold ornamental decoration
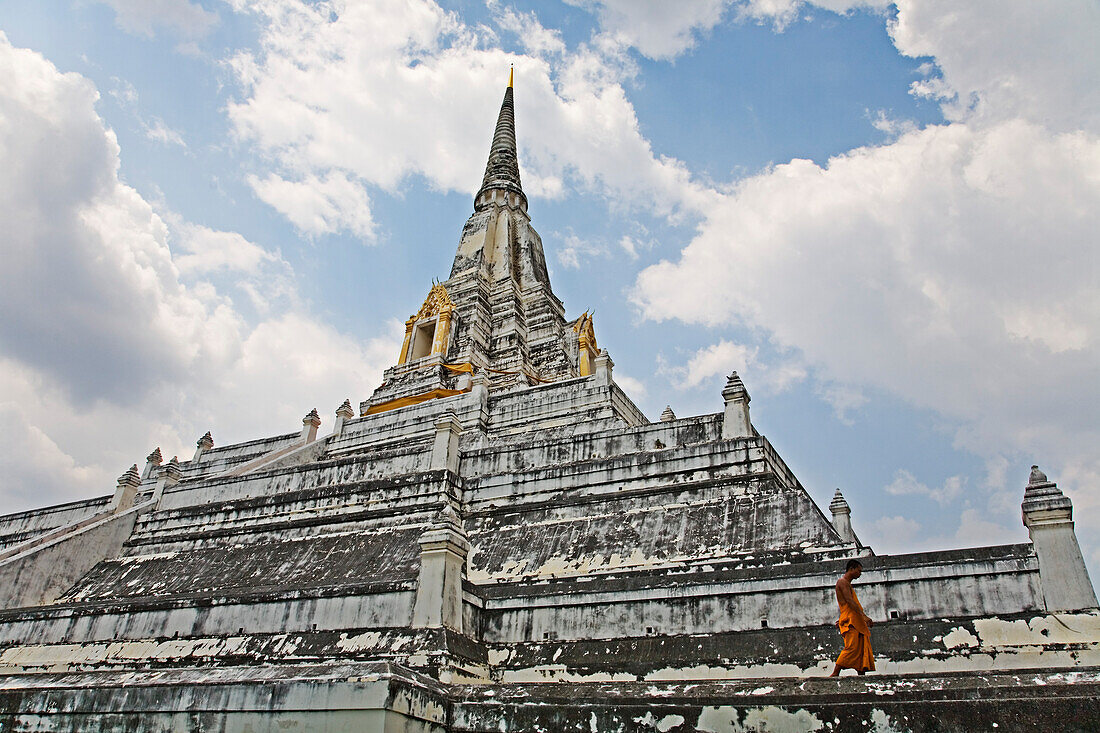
438,301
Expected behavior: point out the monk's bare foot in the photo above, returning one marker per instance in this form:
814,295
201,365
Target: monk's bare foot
862,672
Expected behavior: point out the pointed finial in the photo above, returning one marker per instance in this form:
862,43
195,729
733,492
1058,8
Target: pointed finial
1042,495
206,442
734,387
172,472
501,184
152,460
668,415
131,477
511,75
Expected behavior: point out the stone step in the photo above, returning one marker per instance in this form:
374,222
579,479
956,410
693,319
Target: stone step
1023,700
386,696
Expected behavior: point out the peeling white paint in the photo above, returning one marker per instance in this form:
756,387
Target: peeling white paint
768,719
959,636
367,640
882,723
1060,628
663,725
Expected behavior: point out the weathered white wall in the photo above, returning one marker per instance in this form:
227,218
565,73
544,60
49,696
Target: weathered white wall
22,526
135,621
368,698
41,574
591,608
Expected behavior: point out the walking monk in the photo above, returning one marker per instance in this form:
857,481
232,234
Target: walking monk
854,624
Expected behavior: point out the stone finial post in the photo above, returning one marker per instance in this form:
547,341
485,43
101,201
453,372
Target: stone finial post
445,448
668,415
126,490
842,517
168,478
344,413
204,444
1048,516
735,421
310,423
152,460
603,366
443,551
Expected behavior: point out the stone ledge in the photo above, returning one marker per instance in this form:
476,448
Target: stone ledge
1024,700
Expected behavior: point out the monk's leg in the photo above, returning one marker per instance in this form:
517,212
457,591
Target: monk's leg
850,658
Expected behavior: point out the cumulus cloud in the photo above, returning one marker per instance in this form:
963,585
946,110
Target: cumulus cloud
427,88
658,29
143,17
717,360
898,534
89,291
158,131
770,376
1039,63
906,483
316,205
573,250
780,13
634,387
109,344
954,266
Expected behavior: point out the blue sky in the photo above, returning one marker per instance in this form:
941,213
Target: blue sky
882,215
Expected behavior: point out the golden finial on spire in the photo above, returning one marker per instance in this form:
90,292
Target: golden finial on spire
511,75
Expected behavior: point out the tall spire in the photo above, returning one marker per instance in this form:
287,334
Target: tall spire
502,169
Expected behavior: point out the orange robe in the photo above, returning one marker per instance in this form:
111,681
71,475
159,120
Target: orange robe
857,638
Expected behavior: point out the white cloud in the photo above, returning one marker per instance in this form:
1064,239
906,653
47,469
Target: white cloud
843,398
158,131
154,128
782,12
319,205
208,250
630,246
954,266
658,29
897,534
535,39
427,88
1038,62
633,387
890,126
142,17
574,250
717,360
890,532
906,483
109,345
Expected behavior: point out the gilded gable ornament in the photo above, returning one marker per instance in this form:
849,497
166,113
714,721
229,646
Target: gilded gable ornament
438,301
